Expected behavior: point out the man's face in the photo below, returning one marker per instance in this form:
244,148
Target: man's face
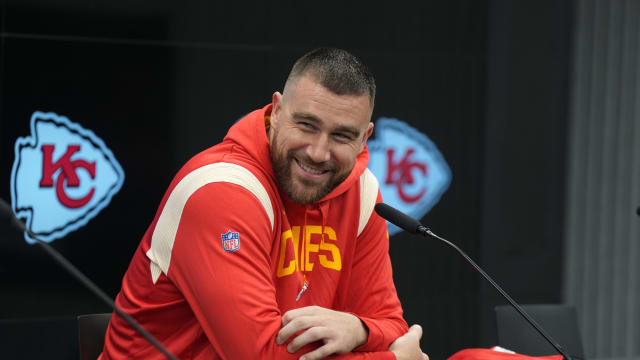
315,137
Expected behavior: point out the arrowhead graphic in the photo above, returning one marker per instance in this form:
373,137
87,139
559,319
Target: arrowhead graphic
83,176
410,169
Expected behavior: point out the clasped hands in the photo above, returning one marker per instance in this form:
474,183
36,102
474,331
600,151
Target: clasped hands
340,333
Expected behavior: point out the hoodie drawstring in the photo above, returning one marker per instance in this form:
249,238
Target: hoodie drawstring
324,211
305,284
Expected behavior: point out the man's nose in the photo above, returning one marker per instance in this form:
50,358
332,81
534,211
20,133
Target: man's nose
318,151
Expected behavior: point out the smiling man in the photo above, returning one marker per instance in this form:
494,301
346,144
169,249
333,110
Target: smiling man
266,245
315,137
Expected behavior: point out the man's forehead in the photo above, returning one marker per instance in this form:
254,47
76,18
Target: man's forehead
308,85
309,99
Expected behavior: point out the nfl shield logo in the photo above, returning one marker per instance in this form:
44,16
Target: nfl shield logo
230,241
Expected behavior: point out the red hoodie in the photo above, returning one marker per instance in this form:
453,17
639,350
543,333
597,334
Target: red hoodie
227,255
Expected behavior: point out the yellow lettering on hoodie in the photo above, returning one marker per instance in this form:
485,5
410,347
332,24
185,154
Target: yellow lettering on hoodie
309,246
293,264
336,263
303,246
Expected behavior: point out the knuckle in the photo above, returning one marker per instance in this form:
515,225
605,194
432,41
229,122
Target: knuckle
286,318
311,334
324,352
293,346
314,331
297,343
332,348
299,323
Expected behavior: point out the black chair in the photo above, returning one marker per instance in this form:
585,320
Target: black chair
91,331
559,321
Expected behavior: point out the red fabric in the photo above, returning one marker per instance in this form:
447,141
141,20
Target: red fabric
215,304
489,354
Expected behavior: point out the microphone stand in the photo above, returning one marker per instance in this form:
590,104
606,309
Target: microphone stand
6,210
428,233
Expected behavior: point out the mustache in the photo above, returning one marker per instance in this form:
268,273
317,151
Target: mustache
323,166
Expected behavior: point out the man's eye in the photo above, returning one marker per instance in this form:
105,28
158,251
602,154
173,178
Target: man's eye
306,125
342,137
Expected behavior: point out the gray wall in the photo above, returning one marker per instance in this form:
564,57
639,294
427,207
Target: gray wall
525,144
602,274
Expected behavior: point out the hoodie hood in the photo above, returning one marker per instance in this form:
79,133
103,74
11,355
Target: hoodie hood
250,133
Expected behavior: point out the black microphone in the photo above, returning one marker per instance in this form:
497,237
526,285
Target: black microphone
8,217
413,226
398,218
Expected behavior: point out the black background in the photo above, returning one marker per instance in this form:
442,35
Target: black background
160,81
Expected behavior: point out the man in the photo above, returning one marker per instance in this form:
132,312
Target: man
266,245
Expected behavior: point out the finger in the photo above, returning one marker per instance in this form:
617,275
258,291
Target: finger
416,331
303,311
319,353
307,337
292,327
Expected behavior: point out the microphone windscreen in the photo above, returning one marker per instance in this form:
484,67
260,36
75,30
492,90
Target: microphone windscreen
398,218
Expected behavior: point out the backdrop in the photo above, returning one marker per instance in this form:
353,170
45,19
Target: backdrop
159,82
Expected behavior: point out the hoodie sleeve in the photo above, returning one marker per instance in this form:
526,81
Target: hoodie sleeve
373,296
232,293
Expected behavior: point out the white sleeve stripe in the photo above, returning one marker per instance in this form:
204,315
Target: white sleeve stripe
155,270
368,196
166,228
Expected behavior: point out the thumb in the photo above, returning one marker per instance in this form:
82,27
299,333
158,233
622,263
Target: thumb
416,331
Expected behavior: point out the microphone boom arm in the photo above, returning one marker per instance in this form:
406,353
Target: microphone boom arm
9,215
428,233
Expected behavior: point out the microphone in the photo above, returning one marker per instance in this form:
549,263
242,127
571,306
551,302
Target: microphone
399,218
8,217
413,226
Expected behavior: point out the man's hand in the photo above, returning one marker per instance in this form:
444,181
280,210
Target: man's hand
341,332
407,346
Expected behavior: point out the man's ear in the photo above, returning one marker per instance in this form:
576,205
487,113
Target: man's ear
368,133
276,107
366,136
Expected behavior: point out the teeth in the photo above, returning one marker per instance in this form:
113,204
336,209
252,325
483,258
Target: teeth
309,169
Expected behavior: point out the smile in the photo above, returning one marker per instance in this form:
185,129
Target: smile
309,169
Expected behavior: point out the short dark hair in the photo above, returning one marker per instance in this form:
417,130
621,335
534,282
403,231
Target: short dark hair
337,70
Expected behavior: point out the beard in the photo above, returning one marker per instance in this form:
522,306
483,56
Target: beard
302,191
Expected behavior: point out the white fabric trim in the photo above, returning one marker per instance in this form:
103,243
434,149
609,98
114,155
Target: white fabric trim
368,196
166,228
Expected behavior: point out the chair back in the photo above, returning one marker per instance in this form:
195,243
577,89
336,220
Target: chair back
91,331
559,321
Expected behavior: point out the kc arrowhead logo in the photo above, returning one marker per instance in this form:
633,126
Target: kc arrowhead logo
412,173
63,175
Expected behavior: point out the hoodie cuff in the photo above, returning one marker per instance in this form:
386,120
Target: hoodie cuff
375,340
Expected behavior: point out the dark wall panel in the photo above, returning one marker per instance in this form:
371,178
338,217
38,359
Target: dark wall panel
524,172
160,82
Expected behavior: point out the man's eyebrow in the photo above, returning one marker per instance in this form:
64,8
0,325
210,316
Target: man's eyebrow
348,129
306,116
314,119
